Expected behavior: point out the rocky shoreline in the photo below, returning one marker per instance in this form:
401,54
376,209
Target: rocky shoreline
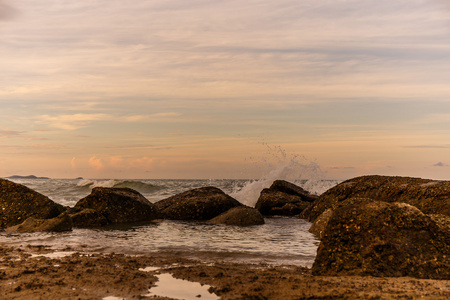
377,233
97,276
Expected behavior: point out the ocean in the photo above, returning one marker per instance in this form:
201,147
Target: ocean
279,241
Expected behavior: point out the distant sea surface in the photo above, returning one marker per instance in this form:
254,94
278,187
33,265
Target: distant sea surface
279,241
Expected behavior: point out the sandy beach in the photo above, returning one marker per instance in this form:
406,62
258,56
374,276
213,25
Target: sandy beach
33,272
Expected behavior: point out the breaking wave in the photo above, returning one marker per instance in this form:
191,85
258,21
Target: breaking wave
139,186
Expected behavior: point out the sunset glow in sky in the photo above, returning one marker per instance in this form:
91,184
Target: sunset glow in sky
195,89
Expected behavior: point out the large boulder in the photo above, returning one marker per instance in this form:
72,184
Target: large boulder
384,239
59,224
18,203
430,196
116,205
200,204
240,216
283,198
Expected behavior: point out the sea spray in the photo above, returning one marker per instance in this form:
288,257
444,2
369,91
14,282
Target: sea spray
279,165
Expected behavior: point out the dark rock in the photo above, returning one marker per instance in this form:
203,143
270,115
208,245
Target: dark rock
430,196
284,199
383,239
88,218
59,224
117,205
200,204
18,202
240,216
292,189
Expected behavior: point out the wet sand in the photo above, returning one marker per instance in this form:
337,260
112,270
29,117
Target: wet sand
81,275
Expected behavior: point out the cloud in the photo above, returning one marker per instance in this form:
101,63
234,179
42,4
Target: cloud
73,163
116,161
150,72
130,146
9,133
430,146
120,162
80,120
436,118
6,10
96,163
342,168
71,122
440,164
151,117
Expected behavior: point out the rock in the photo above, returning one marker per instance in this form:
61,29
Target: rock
59,224
200,204
117,205
320,224
430,196
383,239
88,218
442,221
18,202
292,189
240,216
283,198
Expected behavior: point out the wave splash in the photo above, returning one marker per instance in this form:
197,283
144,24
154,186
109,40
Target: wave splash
279,165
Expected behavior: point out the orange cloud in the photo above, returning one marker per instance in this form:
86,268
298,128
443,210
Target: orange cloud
72,163
96,163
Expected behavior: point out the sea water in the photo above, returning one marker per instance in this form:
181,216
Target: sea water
280,240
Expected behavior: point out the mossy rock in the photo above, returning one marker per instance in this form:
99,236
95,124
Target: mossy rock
385,240
430,196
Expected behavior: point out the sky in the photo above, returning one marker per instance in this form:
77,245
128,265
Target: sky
214,89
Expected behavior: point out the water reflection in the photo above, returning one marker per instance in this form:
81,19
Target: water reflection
170,287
